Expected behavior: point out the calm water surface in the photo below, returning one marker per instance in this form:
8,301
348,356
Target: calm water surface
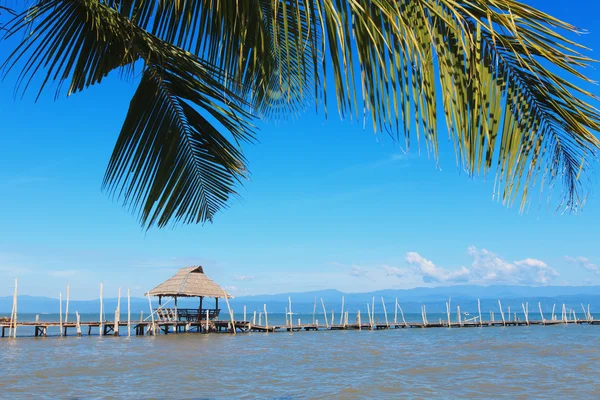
523,362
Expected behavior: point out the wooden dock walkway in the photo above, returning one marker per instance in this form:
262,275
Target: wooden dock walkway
142,328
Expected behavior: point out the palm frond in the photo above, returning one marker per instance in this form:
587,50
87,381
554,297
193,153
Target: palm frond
170,162
502,72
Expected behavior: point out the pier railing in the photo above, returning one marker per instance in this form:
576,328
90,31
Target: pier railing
187,314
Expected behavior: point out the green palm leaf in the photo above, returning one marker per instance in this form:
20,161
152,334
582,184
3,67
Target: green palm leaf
501,71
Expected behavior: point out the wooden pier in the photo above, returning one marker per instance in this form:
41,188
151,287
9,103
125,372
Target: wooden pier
143,328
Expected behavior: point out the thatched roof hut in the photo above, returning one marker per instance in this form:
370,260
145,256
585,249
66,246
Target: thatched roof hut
189,282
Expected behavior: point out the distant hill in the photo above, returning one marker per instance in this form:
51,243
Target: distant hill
410,299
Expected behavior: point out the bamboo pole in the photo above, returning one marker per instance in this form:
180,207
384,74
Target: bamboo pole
342,313
60,319
325,314
78,324
525,313
501,313
67,308
230,312
541,314
151,313
373,311
402,314
396,313
128,312
479,311
266,317
385,313
101,326
117,315
290,306
12,331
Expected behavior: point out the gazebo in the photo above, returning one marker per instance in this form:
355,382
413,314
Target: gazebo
189,282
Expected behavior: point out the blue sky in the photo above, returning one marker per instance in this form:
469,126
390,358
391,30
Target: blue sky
329,205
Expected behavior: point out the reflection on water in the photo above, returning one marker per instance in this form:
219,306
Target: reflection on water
536,361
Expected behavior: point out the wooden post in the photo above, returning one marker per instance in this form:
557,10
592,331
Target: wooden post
479,311
325,314
244,313
387,324
564,313
291,314
332,317
369,314
448,314
260,319
151,314
266,318
501,313
459,316
78,324
13,317
60,320
206,323
314,310
509,313
553,317
584,313
359,323
117,315
396,313
525,313
588,313
230,312
101,326
254,318
128,312
373,311
541,314
67,308
402,314
342,313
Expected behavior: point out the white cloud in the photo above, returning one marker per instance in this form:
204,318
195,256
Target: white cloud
488,267
243,277
432,273
583,262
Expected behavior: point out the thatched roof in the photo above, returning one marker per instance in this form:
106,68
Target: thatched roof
189,282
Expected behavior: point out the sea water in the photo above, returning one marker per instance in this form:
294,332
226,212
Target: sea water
560,361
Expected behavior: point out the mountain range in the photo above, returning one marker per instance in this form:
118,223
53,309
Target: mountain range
410,299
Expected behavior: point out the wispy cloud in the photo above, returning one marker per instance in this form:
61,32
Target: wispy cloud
243,277
394,271
583,262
